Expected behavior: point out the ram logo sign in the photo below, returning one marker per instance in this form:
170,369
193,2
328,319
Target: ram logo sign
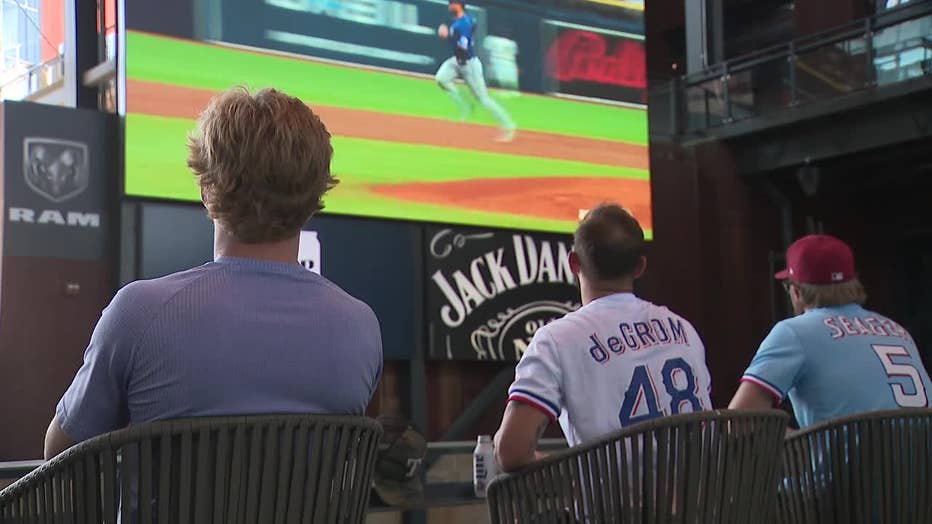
54,216
55,169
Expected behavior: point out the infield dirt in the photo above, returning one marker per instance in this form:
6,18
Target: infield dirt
559,198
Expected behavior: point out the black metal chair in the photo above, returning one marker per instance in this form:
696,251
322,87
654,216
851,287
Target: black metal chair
869,468
247,469
706,467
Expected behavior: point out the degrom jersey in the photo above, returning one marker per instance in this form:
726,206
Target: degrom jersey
840,361
616,361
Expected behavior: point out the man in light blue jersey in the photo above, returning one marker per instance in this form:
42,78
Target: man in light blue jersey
252,332
835,358
466,65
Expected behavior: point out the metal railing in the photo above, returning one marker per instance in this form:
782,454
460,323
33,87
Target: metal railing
886,49
35,79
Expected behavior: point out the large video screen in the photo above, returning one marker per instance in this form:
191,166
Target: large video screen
537,116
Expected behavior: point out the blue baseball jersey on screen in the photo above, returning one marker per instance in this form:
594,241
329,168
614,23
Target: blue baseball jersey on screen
461,37
232,337
840,361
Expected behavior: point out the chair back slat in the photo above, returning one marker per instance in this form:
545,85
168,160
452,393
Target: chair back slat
204,473
237,500
313,475
282,482
253,470
108,480
185,468
128,482
267,475
325,479
164,514
861,469
371,450
664,472
718,466
56,513
239,470
222,477
339,467
298,478
922,434
41,502
68,494
146,476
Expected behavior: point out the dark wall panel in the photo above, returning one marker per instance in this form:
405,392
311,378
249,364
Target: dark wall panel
45,330
57,274
815,16
375,261
174,237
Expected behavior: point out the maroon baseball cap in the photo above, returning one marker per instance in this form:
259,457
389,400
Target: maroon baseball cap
818,259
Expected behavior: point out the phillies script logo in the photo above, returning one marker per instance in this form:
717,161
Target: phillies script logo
586,56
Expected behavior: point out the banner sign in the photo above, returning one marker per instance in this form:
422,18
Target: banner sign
56,171
489,291
595,63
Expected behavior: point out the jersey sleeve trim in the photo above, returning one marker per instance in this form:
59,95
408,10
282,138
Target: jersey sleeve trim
767,386
526,397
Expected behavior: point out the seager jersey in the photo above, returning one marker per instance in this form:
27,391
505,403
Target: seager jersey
840,361
616,361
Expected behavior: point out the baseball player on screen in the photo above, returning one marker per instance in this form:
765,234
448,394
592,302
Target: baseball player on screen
465,65
834,358
616,361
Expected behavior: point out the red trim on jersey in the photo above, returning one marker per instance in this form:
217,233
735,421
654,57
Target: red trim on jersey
534,404
777,396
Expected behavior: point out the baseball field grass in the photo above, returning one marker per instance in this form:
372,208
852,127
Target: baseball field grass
397,152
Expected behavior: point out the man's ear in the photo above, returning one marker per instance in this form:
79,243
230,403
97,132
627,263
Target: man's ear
575,264
641,268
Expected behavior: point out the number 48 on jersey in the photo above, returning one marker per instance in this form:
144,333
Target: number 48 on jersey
642,402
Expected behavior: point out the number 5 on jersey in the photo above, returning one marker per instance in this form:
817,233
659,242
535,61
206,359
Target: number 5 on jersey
905,399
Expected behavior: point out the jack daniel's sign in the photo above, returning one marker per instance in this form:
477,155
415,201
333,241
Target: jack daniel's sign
489,292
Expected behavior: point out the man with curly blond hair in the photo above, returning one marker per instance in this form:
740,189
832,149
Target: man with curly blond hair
253,331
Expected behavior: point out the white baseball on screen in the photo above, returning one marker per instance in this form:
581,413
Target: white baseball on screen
309,251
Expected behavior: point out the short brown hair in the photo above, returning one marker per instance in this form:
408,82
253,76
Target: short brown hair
832,295
609,242
263,163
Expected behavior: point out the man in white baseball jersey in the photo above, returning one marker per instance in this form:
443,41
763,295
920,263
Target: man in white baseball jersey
616,361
